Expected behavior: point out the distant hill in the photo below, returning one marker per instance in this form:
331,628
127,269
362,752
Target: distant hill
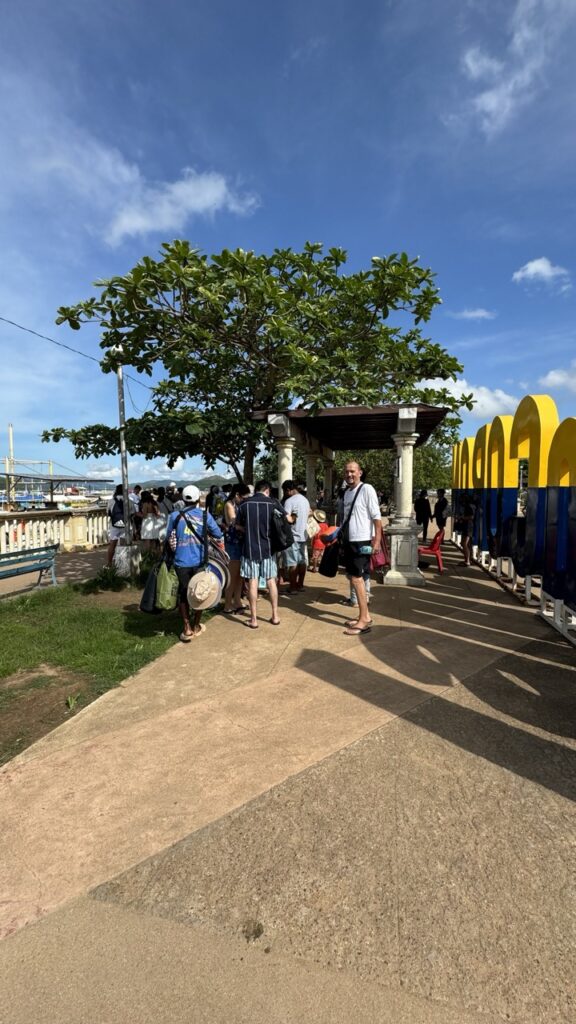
204,483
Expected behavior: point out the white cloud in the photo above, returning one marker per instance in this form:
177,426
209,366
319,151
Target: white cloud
103,472
478,65
542,271
562,379
61,165
508,84
168,206
489,402
140,469
472,314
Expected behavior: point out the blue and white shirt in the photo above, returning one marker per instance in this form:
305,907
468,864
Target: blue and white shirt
189,545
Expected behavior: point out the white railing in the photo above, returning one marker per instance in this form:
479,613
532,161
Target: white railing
71,529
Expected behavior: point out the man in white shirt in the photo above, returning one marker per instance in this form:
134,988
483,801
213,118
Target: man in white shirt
296,557
361,537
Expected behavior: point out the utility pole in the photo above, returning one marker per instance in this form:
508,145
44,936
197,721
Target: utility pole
10,482
124,457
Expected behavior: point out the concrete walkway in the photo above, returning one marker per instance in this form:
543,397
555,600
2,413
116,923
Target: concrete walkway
71,567
291,824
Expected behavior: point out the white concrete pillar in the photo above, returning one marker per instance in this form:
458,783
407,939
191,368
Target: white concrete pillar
404,483
328,465
402,529
311,464
284,447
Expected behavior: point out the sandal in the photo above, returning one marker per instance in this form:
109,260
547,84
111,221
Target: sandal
357,630
186,637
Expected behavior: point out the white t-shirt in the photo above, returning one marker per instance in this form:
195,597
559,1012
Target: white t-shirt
365,511
300,505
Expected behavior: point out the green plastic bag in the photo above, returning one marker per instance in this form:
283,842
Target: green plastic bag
166,588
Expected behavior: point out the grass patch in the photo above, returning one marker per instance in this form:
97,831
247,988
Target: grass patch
89,643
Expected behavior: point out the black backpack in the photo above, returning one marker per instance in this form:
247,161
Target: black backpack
117,513
281,536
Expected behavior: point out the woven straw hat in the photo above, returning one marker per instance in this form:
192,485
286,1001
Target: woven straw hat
204,591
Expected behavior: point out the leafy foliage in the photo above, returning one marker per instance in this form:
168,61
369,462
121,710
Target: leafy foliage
240,332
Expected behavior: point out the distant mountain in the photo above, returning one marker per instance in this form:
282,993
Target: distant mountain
204,483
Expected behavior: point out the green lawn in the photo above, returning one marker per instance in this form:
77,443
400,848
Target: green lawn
90,643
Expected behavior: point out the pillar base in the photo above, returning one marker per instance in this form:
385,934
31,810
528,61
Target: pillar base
402,536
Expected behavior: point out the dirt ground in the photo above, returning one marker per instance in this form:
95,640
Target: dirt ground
35,701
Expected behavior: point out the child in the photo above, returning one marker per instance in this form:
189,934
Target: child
318,547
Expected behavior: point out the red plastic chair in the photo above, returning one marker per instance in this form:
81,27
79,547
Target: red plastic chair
434,549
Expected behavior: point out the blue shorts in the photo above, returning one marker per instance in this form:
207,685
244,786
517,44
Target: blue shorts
233,549
267,569
296,554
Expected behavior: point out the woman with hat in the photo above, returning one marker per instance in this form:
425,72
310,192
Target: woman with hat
317,546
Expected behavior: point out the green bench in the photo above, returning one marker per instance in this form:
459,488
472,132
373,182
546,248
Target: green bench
40,560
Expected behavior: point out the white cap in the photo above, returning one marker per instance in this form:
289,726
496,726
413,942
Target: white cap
172,486
191,493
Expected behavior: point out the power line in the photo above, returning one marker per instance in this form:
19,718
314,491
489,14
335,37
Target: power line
134,406
76,351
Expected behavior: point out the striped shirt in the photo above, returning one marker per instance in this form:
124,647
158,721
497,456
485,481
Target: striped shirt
255,516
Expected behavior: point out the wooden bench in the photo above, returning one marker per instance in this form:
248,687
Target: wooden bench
40,560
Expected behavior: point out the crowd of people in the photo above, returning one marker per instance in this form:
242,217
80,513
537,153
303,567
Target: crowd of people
245,522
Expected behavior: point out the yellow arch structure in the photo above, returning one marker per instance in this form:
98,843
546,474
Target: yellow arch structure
479,458
562,455
467,450
534,425
502,471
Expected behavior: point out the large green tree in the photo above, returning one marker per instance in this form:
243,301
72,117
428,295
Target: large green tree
239,332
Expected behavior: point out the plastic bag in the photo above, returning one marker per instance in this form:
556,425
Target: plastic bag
166,588
126,560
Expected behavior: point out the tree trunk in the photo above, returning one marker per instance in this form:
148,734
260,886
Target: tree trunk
249,454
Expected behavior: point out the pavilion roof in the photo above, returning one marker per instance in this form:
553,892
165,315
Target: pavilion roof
358,427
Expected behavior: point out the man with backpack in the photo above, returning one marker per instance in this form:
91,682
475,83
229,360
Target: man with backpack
185,534
117,524
254,523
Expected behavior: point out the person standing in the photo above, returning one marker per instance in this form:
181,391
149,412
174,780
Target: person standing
174,497
135,498
423,512
117,525
361,537
441,509
233,597
296,556
254,523
188,527
465,524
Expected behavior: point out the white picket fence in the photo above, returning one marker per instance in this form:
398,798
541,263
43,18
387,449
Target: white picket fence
72,530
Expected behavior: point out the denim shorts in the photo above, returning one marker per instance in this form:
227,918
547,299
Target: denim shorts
296,554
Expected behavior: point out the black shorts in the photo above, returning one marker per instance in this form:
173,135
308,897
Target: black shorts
185,574
355,563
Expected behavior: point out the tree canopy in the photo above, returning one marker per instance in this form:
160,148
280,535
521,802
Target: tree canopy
237,333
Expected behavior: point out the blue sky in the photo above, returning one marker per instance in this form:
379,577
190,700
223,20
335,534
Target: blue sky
446,130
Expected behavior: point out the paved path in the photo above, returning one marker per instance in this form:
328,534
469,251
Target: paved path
392,811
